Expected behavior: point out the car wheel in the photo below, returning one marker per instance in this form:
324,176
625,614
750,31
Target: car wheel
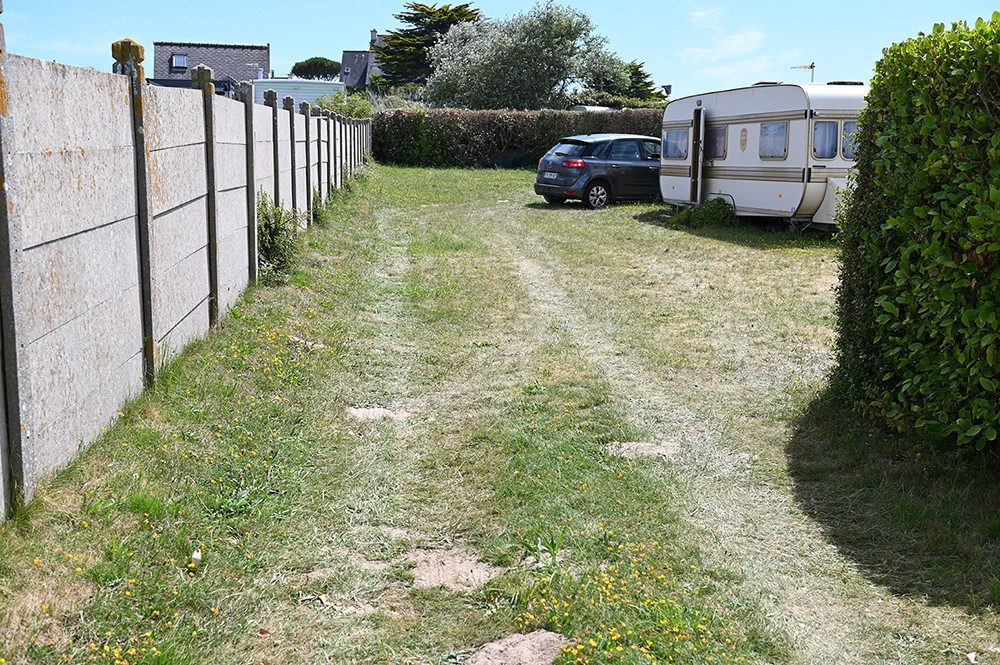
555,200
596,195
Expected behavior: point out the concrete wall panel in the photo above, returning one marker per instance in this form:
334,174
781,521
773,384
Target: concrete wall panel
81,359
263,149
176,235
284,159
66,279
230,166
71,165
230,121
190,328
179,292
231,213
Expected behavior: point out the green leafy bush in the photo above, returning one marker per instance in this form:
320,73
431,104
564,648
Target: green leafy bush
278,243
920,283
350,105
446,137
714,212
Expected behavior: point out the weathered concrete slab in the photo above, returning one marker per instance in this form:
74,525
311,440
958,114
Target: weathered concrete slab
174,117
188,329
70,166
233,269
232,214
176,177
64,280
179,291
73,361
284,158
230,121
98,408
230,166
176,235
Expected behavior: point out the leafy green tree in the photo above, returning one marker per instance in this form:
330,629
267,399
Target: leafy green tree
316,68
403,54
529,61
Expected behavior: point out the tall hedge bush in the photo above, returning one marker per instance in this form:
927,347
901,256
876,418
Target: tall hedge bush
920,282
445,137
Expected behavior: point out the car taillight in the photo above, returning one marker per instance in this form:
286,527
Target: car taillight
574,164
540,163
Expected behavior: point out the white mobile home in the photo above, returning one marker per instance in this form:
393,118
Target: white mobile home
772,150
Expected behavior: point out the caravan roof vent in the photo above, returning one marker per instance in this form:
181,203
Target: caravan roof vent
845,83
768,83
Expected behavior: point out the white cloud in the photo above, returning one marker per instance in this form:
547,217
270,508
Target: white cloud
738,45
709,17
746,71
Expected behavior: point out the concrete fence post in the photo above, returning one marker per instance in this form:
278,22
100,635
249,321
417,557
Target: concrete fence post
17,460
202,78
340,150
288,103
128,57
271,99
316,122
304,109
330,151
245,93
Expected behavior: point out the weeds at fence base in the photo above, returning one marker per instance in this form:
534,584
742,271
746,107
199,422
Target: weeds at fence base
278,243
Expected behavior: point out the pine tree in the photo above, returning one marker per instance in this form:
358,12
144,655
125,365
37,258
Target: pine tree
403,54
640,84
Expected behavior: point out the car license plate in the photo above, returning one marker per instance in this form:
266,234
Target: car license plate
550,175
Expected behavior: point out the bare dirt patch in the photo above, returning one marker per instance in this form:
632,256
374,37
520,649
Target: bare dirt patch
643,449
458,568
538,648
377,413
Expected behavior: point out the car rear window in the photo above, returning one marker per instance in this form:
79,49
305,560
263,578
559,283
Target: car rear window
569,149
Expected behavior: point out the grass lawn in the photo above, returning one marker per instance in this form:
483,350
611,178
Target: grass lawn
584,422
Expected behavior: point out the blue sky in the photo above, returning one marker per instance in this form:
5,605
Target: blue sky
695,46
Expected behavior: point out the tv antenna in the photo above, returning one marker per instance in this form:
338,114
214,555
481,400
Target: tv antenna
812,70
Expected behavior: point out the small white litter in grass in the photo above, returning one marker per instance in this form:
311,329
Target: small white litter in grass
377,413
457,568
538,648
503,201
641,449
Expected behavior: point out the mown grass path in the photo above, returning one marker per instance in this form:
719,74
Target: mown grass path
437,389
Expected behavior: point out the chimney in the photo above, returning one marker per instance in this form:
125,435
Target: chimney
374,35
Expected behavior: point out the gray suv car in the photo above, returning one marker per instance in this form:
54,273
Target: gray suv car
600,169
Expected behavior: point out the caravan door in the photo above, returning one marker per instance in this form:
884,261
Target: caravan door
697,153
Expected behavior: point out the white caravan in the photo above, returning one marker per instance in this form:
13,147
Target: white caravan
771,149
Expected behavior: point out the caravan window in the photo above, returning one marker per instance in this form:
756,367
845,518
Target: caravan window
675,144
825,139
715,143
850,138
773,140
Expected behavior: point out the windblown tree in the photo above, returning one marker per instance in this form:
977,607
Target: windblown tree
403,55
640,83
529,61
316,68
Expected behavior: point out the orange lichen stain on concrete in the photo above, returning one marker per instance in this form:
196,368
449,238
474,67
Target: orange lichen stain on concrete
3,89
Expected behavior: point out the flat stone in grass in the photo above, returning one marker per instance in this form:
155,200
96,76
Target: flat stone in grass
538,648
377,413
458,568
643,449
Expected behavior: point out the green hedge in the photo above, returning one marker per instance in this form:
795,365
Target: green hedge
920,283
443,137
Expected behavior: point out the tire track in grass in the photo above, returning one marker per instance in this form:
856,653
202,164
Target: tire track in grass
806,589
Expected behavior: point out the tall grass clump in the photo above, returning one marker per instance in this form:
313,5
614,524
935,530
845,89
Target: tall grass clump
278,242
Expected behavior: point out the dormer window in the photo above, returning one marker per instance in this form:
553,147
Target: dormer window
178,61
